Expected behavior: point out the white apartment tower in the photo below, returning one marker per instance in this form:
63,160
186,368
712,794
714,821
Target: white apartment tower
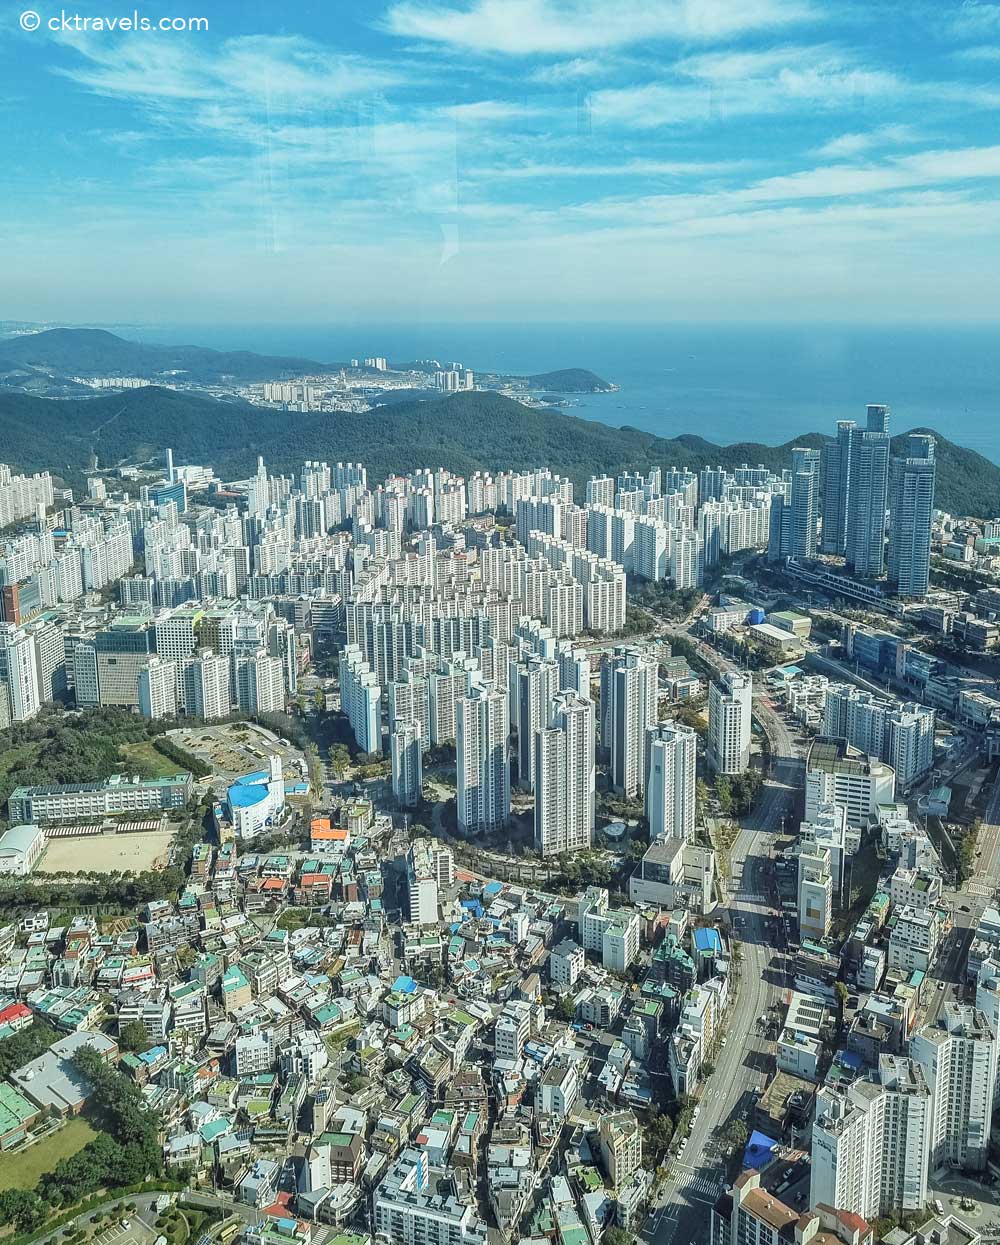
629,704
565,777
481,730
533,683
730,709
958,1057
407,768
670,781
18,676
871,1142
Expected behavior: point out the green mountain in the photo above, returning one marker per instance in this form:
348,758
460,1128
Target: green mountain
95,352
570,380
464,432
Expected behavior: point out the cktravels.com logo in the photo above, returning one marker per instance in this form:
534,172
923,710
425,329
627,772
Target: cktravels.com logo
31,20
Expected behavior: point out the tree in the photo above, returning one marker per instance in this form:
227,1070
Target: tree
617,1236
842,994
133,1035
564,1008
735,1135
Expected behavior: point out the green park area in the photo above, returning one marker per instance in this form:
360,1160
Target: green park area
24,1169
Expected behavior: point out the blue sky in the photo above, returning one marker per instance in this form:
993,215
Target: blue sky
504,160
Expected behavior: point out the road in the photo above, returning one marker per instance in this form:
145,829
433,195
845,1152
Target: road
680,1210
986,879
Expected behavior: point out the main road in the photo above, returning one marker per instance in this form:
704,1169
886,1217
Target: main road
680,1210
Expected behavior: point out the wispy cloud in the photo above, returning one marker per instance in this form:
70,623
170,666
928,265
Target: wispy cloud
845,146
289,72
571,27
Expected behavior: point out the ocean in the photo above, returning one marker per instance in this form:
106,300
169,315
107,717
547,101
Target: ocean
726,383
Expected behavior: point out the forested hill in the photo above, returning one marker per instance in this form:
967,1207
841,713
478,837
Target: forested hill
464,432
96,352
570,380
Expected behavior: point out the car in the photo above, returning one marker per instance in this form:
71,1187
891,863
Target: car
126,1224
965,908
940,985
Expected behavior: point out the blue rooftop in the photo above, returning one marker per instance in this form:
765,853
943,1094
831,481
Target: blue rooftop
249,790
493,888
243,795
405,985
759,1149
707,940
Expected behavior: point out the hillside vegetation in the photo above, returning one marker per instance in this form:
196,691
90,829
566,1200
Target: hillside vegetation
464,432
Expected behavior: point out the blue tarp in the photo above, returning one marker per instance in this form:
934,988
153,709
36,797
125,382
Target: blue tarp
759,1149
707,940
406,985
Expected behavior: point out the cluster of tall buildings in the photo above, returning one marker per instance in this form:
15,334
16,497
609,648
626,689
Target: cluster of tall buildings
877,1141
856,499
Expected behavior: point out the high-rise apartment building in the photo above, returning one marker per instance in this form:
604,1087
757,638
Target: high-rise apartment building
407,767
871,1142
730,713
868,487
911,506
958,1057
836,472
900,734
629,706
18,675
481,730
670,781
533,683
565,776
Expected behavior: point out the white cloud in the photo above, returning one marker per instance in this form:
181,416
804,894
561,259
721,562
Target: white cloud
569,27
575,70
847,145
722,85
287,72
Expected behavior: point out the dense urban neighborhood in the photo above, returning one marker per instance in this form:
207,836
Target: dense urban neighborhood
471,859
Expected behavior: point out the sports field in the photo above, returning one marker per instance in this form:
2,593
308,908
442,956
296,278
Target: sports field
105,853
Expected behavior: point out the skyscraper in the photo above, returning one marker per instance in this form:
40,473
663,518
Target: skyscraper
565,776
911,504
481,729
670,781
730,710
629,703
868,486
877,417
836,471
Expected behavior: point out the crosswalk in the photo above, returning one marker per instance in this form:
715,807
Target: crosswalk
708,1186
984,889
